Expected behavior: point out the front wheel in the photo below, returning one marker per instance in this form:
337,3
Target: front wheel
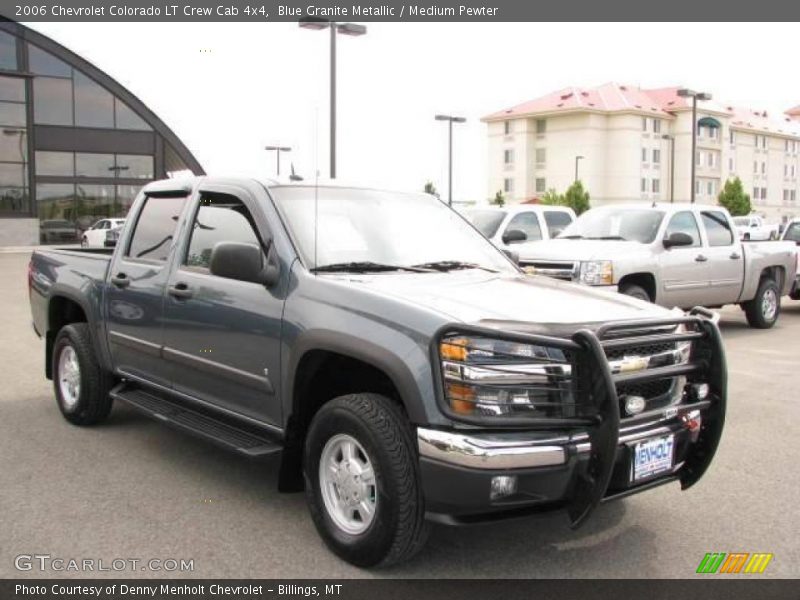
84,242
81,384
763,310
635,291
362,481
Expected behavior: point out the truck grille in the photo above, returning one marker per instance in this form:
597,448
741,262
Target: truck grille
555,269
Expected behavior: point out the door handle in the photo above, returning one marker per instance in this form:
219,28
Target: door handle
736,256
180,290
701,258
121,280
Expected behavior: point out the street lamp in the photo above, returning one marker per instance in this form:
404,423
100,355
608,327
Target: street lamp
450,120
351,29
695,96
577,159
278,150
671,140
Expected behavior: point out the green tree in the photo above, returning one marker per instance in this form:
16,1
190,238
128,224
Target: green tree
577,198
552,198
431,189
734,198
499,199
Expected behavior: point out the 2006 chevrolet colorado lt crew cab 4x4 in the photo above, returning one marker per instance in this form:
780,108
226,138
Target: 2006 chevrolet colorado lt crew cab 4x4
404,368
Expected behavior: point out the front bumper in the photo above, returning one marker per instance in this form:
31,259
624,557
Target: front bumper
576,464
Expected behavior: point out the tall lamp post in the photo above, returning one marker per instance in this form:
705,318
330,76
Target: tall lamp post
277,150
577,162
671,140
695,96
351,29
450,120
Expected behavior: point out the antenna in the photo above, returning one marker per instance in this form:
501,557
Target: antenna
316,184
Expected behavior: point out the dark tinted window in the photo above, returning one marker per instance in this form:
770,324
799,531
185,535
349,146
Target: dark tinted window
8,51
12,89
126,118
486,221
220,218
94,105
684,222
717,228
557,221
155,228
52,101
44,63
793,233
528,223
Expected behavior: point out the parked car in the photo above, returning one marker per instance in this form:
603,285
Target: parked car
754,228
57,230
791,233
95,236
680,255
112,235
402,366
512,227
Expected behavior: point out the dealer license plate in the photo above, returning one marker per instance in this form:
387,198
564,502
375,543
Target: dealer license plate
653,457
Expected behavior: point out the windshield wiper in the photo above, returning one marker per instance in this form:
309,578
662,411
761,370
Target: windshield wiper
610,237
452,265
364,266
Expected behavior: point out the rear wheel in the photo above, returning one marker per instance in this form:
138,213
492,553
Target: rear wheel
763,310
84,242
362,481
635,291
81,385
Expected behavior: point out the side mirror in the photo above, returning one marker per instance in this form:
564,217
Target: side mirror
513,236
244,262
678,238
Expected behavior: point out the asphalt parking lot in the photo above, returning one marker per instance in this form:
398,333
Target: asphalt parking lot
134,489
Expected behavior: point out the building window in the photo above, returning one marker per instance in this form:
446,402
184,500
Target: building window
712,160
785,170
508,156
541,126
794,171
755,193
713,133
644,185
541,156
698,188
731,165
55,164
541,184
13,147
506,127
644,155
656,156
763,167
698,159
656,125
508,185
793,196
644,123
732,136
44,63
8,51
755,166
710,187
52,101
656,186
94,105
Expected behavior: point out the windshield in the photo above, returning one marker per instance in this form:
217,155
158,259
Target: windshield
741,221
384,228
793,232
626,224
486,221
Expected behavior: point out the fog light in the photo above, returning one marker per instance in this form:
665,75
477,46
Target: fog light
502,486
700,390
634,404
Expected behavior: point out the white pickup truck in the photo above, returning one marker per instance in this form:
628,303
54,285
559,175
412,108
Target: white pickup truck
792,234
680,255
754,228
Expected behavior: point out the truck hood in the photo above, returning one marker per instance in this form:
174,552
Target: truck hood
513,302
581,250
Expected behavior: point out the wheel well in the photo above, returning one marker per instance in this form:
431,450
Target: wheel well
646,281
60,312
321,376
775,273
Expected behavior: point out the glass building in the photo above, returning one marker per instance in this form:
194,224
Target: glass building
75,146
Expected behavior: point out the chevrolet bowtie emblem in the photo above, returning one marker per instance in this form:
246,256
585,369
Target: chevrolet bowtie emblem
633,363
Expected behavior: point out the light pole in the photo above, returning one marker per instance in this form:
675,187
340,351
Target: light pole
351,29
577,162
671,140
450,120
695,96
278,150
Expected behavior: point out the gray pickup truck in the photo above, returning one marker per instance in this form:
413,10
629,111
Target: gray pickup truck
682,255
402,368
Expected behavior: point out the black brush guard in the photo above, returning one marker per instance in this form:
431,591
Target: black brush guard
599,395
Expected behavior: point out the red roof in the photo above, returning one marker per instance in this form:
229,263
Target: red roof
794,111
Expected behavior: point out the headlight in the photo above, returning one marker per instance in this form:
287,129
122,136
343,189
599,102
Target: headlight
597,272
490,377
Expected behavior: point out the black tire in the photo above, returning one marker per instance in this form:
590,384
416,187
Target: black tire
398,529
84,242
635,291
93,402
746,237
755,310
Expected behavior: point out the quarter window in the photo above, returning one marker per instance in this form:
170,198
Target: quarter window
717,227
155,228
684,222
220,218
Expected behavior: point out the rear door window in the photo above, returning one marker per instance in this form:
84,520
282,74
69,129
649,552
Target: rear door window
718,229
155,228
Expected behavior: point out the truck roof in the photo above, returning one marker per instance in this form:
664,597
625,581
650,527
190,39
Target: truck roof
665,206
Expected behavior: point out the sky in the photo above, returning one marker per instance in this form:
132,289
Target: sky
227,90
